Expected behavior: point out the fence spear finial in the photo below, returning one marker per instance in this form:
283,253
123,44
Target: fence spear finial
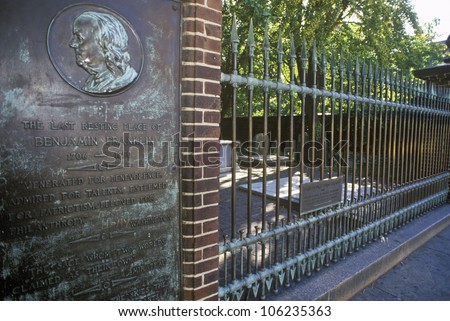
350,68
266,52
364,70
341,63
266,44
292,52
280,51
357,68
251,39
292,56
314,56
333,63
304,54
234,36
324,59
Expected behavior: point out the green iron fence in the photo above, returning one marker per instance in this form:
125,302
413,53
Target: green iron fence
333,165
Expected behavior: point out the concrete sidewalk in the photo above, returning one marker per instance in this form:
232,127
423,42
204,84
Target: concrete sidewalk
423,275
411,263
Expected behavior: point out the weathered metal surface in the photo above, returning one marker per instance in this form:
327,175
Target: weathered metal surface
321,194
89,97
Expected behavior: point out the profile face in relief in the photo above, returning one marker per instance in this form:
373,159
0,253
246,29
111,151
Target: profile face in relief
100,42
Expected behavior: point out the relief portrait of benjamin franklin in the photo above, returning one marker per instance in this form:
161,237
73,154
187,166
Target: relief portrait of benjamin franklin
100,42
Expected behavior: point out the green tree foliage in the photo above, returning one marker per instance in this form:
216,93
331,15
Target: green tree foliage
375,31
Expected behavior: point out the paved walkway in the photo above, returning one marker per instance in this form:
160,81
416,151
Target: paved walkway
422,276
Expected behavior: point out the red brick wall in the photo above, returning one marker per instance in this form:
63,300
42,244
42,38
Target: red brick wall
200,118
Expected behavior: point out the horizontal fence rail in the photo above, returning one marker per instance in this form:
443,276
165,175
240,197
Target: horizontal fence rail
325,156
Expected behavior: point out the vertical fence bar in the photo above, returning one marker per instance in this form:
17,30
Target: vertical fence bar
427,132
251,54
363,143
405,81
439,134
280,55
435,133
379,78
357,156
413,145
389,141
333,106
342,145
349,199
425,148
398,97
446,134
324,101
406,200
355,134
292,57
440,138
433,124
266,53
368,121
416,135
349,107
443,139
386,129
423,119
398,93
413,99
304,59
341,117
430,132
291,238
235,43
422,131
389,99
376,142
314,115
433,130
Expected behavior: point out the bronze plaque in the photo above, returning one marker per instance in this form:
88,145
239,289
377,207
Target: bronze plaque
321,194
89,178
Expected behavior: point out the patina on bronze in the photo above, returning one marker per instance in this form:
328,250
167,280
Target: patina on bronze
321,194
89,180
101,43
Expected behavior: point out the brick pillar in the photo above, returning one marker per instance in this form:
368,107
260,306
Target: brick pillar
200,123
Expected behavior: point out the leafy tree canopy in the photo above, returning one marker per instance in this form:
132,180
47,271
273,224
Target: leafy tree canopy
383,32
375,30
